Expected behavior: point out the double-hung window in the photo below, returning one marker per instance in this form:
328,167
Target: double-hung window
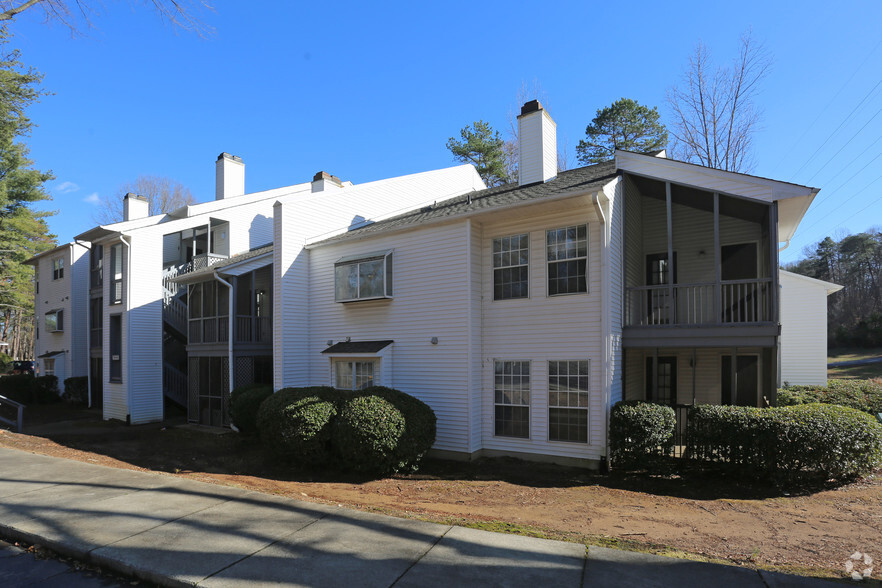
116,348
511,258
354,374
567,252
116,271
55,321
568,400
512,399
49,366
363,277
58,268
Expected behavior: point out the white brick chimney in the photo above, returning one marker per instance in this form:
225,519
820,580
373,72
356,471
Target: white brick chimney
323,181
537,144
135,207
229,176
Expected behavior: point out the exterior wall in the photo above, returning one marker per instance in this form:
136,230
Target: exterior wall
323,215
61,295
116,398
803,331
541,329
431,299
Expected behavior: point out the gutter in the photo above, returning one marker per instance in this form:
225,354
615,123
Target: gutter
230,318
128,307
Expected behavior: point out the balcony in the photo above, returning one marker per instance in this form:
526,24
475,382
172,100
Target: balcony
731,302
254,329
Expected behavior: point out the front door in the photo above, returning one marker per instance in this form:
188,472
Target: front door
661,383
740,297
96,379
746,385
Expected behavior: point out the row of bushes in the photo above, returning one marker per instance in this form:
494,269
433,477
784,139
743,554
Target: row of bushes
377,430
784,445
864,395
27,389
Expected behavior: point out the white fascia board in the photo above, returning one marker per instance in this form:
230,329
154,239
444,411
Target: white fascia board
830,287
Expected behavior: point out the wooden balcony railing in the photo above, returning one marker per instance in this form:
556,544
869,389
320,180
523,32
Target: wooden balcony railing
729,302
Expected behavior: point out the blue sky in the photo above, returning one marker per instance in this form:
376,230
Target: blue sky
374,90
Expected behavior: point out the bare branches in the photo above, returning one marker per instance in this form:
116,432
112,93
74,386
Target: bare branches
77,14
163,195
714,112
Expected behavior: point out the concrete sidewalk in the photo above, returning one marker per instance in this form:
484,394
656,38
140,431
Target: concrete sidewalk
178,532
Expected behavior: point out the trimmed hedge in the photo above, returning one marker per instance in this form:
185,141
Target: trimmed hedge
864,395
295,423
244,404
786,444
382,430
640,433
27,389
76,390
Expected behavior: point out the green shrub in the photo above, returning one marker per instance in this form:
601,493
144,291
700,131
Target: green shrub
382,430
19,387
76,390
787,444
640,433
244,403
864,395
46,389
295,423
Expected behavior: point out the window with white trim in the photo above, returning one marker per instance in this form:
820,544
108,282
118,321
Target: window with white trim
512,399
58,268
354,374
49,366
568,391
511,258
55,321
116,263
567,253
363,277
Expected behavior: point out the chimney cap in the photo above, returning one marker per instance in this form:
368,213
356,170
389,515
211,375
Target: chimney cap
130,195
531,106
323,175
225,155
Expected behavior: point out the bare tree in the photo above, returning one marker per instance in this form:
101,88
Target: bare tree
163,195
77,14
714,115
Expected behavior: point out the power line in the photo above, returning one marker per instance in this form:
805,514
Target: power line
823,110
847,118
860,130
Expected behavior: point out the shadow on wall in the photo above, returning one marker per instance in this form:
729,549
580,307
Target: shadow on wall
261,231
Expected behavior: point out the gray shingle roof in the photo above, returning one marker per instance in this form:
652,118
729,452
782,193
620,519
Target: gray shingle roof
586,179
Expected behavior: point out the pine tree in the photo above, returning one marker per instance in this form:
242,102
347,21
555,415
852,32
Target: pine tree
482,147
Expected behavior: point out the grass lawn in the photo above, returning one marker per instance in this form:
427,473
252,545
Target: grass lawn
854,372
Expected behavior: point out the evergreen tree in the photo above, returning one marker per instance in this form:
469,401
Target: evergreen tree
625,124
23,231
482,147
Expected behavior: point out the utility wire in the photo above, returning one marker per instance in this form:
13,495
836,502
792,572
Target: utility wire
860,130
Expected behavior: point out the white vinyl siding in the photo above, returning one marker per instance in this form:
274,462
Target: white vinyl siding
803,331
543,329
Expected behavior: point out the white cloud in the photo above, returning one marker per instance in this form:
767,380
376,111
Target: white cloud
92,198
65,187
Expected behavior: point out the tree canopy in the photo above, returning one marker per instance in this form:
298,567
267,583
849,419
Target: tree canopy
481,146
713,111
162,194
77,14
23,231
854,262
625,124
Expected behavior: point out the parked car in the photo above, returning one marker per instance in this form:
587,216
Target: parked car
23,367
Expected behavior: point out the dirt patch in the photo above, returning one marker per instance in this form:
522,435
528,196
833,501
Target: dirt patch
703,516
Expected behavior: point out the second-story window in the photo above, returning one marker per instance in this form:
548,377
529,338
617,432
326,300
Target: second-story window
363,277
567,250
511,256
58,268
96,265
116,274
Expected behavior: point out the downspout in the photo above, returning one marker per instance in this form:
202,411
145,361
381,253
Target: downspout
604,314
128,307
229,329
786,245
88,322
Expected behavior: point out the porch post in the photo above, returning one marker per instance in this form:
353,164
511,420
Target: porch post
773,263
671,269
718,288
